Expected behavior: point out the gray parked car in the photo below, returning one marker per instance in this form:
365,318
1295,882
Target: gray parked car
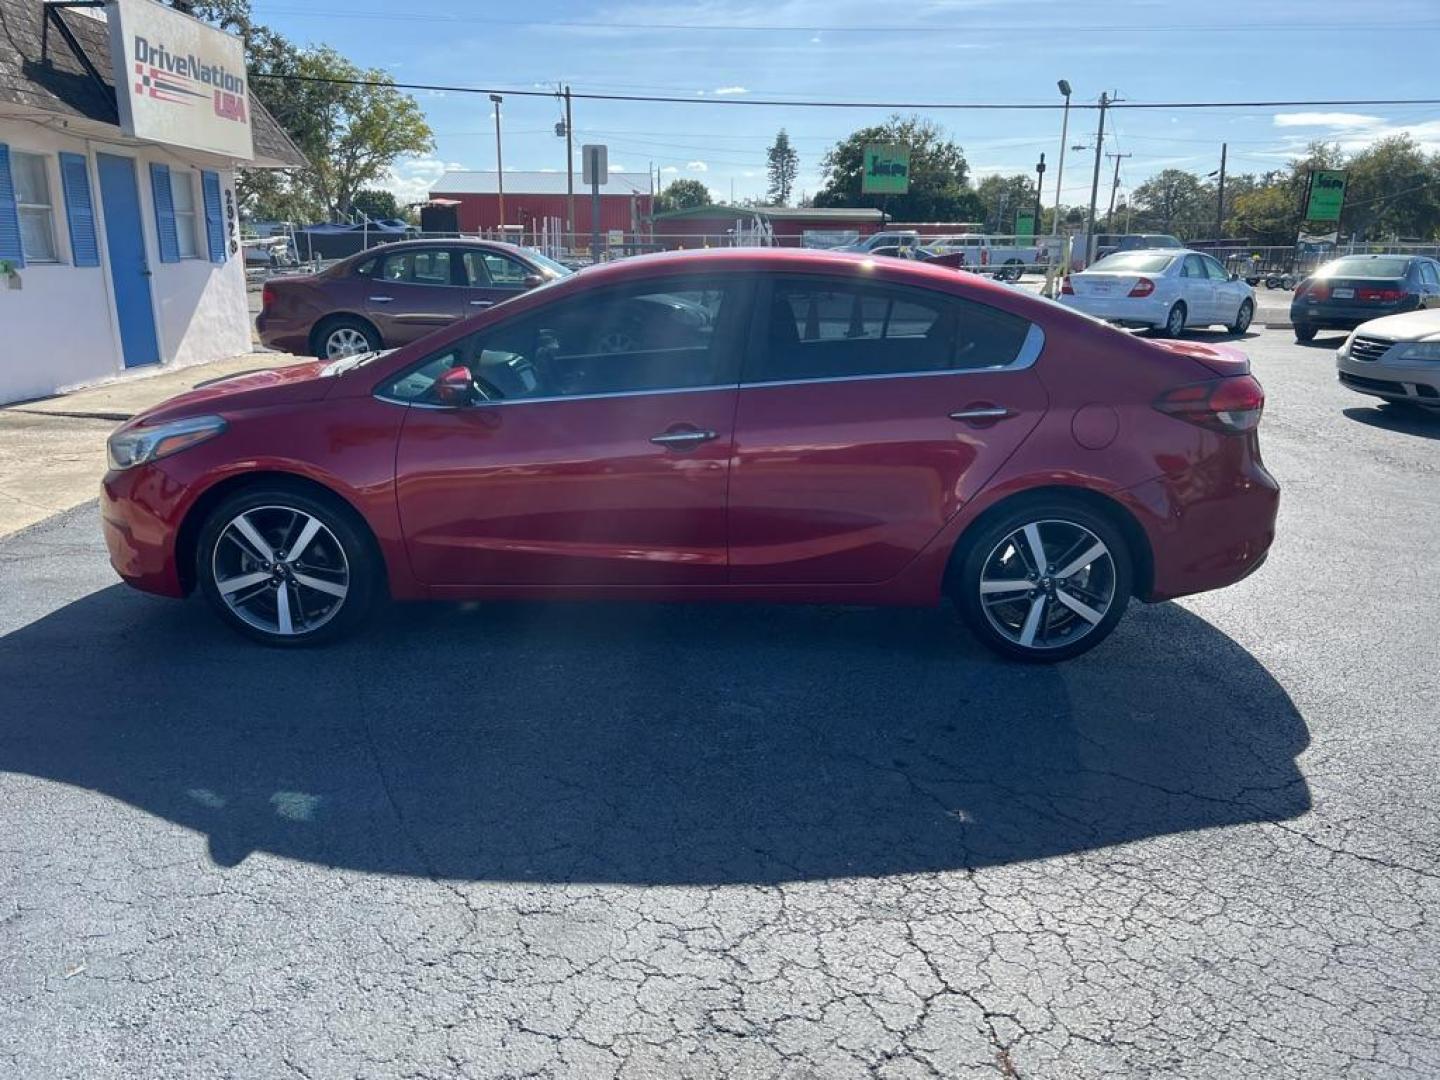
1396,358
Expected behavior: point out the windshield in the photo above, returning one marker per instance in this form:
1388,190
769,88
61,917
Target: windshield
1380,268
1134,262
558,269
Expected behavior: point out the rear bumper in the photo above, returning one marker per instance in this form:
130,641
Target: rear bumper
282,335
1329,315
1210,525
139,514
1121,309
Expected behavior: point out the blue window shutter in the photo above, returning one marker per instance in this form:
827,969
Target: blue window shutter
164,213
79,210
214,215
10,248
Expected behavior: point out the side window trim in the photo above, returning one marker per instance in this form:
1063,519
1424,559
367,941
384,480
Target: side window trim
757,341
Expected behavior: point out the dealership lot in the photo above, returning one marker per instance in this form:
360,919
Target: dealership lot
639,840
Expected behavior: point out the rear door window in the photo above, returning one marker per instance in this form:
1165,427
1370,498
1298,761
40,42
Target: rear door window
817,328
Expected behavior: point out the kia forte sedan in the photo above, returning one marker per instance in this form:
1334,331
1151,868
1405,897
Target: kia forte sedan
768,425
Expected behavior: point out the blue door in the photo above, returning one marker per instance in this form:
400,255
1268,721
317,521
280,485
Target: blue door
129,265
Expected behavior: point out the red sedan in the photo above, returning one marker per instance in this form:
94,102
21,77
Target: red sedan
743,424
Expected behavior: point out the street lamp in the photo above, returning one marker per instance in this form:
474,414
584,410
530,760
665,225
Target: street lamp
1060,169
496,99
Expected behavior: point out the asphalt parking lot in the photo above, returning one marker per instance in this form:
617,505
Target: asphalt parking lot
672,841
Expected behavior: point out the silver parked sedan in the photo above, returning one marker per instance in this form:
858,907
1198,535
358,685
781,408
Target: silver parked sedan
1396,358
1164,289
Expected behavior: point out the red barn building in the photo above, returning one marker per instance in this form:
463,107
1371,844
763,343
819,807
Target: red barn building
532,198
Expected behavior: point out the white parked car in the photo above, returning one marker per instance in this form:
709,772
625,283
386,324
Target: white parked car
1396,358
1161,288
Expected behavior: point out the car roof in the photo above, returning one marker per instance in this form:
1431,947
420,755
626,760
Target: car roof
453,242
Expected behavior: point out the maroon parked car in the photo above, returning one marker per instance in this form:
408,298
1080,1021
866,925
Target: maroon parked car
754,424
391,295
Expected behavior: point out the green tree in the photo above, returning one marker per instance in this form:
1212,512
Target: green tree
1002,197
783,167
939,176
684,194
1393,191
377,204
1174,201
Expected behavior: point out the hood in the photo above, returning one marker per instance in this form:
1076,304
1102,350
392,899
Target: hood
1221,359
1411,326
247,390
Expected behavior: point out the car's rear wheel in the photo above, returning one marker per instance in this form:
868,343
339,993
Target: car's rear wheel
1174,324
344,336
286,568
1243,317
1305,333
1044,581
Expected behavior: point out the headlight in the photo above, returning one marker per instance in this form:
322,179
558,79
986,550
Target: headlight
129,447
1418,350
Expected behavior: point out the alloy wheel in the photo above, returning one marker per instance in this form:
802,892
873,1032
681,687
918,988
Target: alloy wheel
280,570
1047,584
345,341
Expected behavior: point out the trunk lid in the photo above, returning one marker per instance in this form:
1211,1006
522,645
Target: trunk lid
1101,283
1221,359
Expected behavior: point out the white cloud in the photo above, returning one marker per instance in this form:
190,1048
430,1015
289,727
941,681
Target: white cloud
410,179
670,169
697,166
730,91
1326,119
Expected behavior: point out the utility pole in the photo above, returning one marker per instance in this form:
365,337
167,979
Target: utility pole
1220,198
1039,182
569,171
1115,186
1095,182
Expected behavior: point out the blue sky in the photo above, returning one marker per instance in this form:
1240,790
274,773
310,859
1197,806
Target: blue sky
927,50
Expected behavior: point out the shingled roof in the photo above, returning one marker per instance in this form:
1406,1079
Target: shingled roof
39,71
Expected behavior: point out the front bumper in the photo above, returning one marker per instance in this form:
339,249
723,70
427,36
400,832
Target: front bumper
1210,525
1416,381
1128,311
140,513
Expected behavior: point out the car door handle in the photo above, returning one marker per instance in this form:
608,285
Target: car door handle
381,299
682,439
482,303
982,412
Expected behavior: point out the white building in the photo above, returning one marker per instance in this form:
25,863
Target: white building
116,252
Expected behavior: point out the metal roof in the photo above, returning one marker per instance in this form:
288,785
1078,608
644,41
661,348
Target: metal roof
483,182
777,213
39,73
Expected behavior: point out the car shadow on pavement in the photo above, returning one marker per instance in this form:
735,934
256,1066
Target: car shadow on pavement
1398,418
648,743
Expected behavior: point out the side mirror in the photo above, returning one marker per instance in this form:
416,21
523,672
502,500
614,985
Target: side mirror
532,280
455,388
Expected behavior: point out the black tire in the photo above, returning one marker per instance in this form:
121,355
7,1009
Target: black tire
1305,333
340,553
1174,322
1012,270
984,548
1243,317
344,325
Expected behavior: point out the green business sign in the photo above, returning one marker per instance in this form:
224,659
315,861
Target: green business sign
886,169
1025,224
1327,195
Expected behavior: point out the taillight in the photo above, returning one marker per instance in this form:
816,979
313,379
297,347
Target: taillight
267,298
1383,296
1227,405
1143,287
1316,290
1066,289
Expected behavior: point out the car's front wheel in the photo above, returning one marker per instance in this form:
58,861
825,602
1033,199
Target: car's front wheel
1243,317
1045,581
286,568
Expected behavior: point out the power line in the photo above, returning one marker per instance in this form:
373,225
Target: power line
810,104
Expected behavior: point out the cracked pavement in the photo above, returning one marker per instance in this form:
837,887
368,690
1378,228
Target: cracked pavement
668,841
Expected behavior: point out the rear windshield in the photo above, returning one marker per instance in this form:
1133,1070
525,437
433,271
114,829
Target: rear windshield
1135,262
1391,268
